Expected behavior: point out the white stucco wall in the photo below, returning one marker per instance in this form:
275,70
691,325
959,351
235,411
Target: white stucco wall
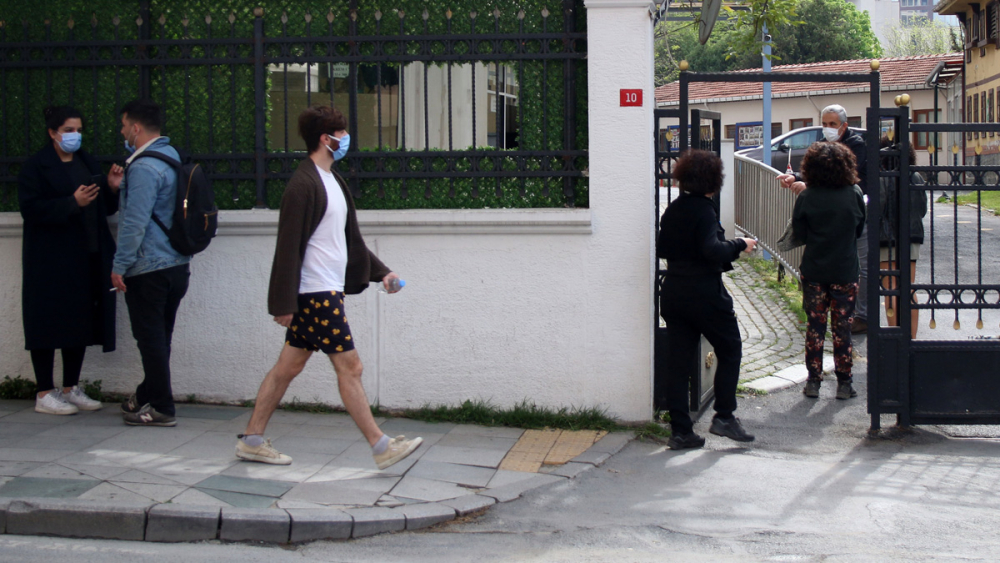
553,306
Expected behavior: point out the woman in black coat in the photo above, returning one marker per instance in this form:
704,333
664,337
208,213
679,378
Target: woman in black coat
693,301
66,259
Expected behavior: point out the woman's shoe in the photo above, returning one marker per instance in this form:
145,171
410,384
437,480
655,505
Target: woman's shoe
811,389
77,397
54,402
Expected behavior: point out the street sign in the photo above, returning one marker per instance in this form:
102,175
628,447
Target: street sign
631,98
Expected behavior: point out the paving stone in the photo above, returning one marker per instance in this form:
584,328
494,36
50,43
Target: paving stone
95,471
376,520
342,492
198,498
476,441
16,468
241,500
414,428
266,525
212,412
43,487
261,487
302,468
136,476
514,491
159,493
112,494
4,503
76,519
493,432
466,456
293,445
33,454
148,439
428,490
506,477
468,475
769,384
310,524
55,471
426,515
571,469
593,458
182,523
469,504
208,445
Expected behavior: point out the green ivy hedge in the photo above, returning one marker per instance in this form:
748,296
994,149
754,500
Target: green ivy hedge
226,124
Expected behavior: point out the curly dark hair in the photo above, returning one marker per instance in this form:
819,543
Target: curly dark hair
888,162
829,164
699,172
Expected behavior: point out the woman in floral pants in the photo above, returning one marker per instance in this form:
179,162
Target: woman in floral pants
829,217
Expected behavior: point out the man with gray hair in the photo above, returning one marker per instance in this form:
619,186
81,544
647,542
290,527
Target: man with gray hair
835,129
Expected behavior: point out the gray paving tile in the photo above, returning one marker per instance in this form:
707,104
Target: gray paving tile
46,488
513,491
346,433
505,477
303,467
56,471
183,470
339,492
359,456
23,429
208,445
467,475
106,492
32,417
474,441
76,431
238,425
159,493
414,428
241,500
148,440
334,472
428,489
72,443
469,504
197,498
466,456
292,445
16,404
15,468
287,504
212,412
313,419
141,477
490,431
263,487
571,469
26,454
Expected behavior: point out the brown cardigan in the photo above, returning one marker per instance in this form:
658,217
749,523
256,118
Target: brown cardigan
302,209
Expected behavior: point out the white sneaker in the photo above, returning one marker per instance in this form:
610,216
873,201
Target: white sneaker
399,448
263,453
77,397
54,403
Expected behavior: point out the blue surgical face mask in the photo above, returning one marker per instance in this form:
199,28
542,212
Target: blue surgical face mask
345,143
129,146
71,142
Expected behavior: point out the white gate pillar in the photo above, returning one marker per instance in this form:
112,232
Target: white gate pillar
620,57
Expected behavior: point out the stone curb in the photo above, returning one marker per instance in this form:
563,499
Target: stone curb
788,377
166,522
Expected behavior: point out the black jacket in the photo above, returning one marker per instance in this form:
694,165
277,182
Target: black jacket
860,150
692,239
889,218
66,300
829,221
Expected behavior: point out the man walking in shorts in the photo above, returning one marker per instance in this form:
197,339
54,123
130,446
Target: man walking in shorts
319,257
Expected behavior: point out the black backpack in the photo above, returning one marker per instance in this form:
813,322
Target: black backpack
195,213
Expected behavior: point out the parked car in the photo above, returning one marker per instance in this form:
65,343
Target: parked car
792,145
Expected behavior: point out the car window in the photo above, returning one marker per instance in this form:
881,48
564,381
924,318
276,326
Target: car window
803,140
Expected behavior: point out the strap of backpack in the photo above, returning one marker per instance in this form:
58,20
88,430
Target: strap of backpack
175,164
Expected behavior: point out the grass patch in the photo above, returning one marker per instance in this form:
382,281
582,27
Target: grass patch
989,201
786,289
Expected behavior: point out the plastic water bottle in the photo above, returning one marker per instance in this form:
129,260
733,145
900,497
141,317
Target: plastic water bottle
395,284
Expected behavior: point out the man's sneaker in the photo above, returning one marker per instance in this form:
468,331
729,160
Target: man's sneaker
263,453
148,416
859,326
685,441
77,397
131,405
399,448
54,403
845,390
811,389
730,428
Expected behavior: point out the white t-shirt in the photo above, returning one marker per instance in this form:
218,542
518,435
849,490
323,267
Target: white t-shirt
325,263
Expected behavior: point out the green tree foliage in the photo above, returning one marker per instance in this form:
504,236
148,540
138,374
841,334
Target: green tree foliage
829,30
921,37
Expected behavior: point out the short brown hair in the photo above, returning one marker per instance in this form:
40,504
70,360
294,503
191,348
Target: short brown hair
316,121
829,164
699,172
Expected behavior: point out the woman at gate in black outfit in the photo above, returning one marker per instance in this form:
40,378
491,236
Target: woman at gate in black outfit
829,217
693,301
66,259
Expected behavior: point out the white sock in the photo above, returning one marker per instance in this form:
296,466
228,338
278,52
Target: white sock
252,440
381,446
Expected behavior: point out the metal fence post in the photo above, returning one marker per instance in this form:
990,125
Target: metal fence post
569,105
145,76
260,103
352,118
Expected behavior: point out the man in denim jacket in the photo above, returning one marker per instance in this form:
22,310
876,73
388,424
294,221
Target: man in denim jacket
152,275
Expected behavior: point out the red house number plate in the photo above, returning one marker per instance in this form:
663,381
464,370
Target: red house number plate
630,98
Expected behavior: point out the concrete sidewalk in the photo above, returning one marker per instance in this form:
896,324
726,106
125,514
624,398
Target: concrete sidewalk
89,475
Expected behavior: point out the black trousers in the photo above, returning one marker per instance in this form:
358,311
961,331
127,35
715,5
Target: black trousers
153,299
44,362
693,306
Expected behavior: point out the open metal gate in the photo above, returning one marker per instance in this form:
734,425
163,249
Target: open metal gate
705,133
951,377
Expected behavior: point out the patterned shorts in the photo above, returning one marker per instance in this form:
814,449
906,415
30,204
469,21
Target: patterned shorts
320,324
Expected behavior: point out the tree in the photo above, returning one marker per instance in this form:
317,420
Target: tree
921,37
830,30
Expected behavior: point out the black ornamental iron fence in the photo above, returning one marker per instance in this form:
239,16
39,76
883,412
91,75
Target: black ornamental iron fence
446,110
